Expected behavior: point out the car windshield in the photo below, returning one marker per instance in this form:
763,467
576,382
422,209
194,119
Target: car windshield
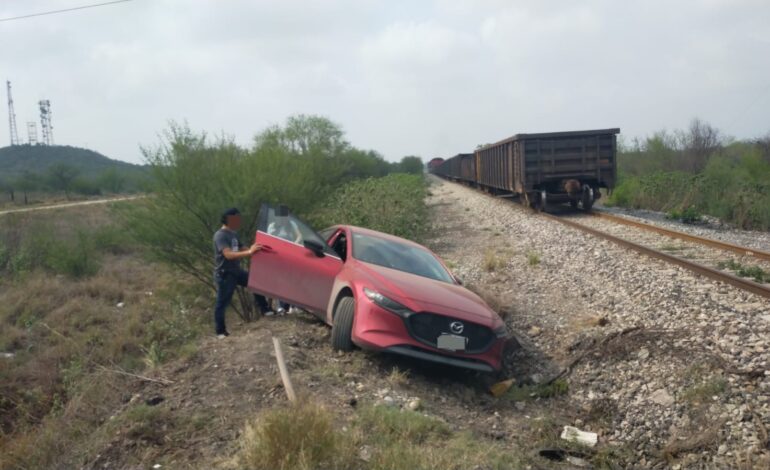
400,256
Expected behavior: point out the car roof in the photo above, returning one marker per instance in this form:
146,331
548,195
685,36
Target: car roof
375,233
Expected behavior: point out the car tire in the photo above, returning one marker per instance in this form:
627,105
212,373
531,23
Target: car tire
342,328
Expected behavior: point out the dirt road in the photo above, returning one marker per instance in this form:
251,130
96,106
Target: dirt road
69,204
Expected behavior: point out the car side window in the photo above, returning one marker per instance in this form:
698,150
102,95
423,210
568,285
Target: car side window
327,234
277,221
340,245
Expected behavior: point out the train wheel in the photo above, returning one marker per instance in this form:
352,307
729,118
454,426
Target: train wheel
588,198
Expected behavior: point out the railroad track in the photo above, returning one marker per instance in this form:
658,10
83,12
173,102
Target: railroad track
703,266
697,254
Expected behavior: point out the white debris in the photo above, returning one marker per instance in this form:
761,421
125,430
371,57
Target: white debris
571,433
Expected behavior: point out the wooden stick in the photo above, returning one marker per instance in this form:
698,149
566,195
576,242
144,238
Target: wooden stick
284,371
141,377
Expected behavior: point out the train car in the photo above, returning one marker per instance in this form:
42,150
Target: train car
468,167
461,167
550,167
434,163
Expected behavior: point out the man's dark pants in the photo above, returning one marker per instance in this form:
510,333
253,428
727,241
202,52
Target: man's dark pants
226,284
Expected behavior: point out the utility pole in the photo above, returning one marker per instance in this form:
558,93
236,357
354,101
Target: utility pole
12,116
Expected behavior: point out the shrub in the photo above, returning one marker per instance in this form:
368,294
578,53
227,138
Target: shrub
301,436
393,204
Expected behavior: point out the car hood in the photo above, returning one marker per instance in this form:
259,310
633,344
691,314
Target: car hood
423,294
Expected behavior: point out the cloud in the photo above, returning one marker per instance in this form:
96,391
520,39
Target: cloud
427,78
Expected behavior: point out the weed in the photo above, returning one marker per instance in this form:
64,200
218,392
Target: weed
704,391
301,436
492,261
153,356
392,425
754,272
533,258
398,377
688,215
532,392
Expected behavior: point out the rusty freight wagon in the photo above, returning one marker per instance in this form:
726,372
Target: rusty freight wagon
461,167
550,167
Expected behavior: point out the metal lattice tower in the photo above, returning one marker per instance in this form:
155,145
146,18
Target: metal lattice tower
12,116
32,132
45,122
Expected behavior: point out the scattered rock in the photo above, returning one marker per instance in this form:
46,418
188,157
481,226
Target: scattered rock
365,453
388,401
535,331
414,404
120,304
661,397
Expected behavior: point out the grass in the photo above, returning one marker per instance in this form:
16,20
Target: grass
533,258
704,391
492,261
377,438
754,272
58,315
533,392
301,436
398,377
688,215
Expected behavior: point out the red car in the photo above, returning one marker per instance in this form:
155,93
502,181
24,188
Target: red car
377,291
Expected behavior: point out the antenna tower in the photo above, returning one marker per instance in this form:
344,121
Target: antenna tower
12,116
45,122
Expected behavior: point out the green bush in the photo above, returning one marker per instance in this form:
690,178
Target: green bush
195,178
393,204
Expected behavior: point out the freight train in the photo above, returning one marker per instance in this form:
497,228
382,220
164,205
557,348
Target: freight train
553,167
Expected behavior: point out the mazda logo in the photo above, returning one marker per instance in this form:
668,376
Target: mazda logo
456,327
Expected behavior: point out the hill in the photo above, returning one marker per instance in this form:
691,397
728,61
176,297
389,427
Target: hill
37,159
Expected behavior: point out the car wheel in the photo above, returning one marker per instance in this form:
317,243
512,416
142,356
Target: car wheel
342,328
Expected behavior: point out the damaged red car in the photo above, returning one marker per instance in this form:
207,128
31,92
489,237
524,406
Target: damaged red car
377,291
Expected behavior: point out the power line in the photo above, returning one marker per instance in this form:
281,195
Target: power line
53,12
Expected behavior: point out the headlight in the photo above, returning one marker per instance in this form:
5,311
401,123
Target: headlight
386,303
501,331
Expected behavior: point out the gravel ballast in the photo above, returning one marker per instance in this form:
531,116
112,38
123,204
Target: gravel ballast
664,364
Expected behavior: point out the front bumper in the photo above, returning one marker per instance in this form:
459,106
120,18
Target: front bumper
377,329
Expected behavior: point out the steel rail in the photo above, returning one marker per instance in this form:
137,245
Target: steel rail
706,271
741,250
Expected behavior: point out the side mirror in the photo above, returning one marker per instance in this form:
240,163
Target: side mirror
315,247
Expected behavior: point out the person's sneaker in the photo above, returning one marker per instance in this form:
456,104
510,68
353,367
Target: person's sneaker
280,311
221,336
269,313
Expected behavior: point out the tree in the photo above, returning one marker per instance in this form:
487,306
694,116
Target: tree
305,135
7,186
411,164
112,181
27,183
699,143
61,177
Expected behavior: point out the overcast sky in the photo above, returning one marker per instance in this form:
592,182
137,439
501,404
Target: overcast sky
401,77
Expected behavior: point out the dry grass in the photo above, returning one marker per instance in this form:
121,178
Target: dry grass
492,261
533,258
302,436
65,329
398,377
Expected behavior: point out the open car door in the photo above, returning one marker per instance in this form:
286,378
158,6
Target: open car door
295,264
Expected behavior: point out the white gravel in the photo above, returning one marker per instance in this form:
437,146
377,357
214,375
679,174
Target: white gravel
712,228
699,362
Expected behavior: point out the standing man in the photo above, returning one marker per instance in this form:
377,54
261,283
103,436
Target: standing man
228,273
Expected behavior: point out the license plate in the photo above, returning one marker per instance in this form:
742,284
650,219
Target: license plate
452,342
